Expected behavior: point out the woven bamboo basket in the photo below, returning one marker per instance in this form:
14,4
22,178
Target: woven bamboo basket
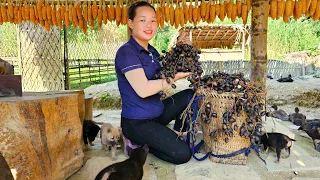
220,103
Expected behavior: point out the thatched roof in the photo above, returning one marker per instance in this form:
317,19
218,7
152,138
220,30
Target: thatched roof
222,36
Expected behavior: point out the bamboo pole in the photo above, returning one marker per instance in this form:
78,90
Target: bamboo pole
259,26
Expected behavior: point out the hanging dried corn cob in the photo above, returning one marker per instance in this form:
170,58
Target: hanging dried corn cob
239,8
32,14
75,21
297,10
308,4
182,20
10,9
212,15
203,7
185,11
195,13
303,6
58,15
105,12
171,10
111,12
44,12
66,15
273,13
39,8
313,7
234,12
15,12
118,12
19,14
89,13
287,10
217,8
124,14
48,12
244,13
167,11
206,17
94,10
228,8
190,12
222,13
177,15
199,14
27,11
281,8
248,5
62,10
100,17
53,14
158,14
316,15
292,7
85,12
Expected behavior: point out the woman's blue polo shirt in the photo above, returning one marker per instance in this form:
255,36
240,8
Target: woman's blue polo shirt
132,56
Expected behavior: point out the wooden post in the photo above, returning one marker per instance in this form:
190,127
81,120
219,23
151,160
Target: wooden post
88,101
66,61
259,26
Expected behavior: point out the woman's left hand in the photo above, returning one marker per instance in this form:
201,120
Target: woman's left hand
181,75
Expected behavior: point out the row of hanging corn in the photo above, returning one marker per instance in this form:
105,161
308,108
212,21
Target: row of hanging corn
83,13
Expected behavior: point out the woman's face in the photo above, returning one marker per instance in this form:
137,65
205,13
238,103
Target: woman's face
144,24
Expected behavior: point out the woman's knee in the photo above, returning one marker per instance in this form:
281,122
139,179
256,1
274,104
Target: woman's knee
181,156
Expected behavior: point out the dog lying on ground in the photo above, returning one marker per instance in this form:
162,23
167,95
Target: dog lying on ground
130,169
277,141
89,132
110,138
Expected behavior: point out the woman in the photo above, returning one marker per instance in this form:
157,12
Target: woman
144,116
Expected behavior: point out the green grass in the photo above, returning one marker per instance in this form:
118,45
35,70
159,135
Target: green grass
104,79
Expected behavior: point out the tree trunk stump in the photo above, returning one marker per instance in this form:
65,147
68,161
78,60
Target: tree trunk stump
41,134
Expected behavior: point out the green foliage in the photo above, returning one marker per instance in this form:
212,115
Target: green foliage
8,40
107,101
294,36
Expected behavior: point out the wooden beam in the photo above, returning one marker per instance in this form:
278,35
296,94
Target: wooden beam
259,27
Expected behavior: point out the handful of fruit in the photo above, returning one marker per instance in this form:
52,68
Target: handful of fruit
181,58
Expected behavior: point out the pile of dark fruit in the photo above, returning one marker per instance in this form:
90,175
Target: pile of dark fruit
181,58
221,82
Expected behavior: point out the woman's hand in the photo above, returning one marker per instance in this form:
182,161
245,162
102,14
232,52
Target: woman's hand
181,75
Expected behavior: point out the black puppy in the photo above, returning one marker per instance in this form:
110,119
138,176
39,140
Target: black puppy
130,169
286,79
278,141
89,131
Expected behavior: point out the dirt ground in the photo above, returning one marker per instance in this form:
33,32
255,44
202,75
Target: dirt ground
279,93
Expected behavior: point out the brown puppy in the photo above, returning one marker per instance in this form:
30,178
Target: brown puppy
110,138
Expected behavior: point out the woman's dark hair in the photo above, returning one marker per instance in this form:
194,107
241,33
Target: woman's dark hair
134,6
